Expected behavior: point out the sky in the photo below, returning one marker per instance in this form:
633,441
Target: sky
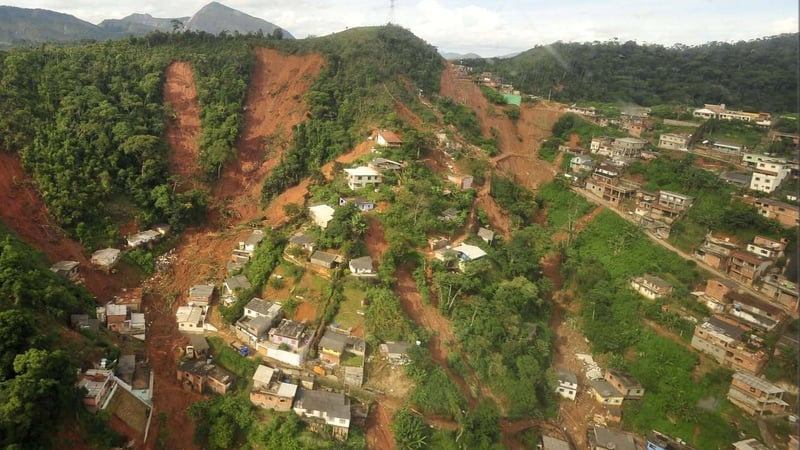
487,27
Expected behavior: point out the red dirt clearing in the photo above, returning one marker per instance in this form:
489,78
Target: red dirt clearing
305,312
25,213
519,141
274,104
378,434
183,131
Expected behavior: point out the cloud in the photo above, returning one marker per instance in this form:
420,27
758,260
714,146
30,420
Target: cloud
488,27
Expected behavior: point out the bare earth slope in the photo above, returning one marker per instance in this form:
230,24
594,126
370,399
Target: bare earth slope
183,130
519,142
274,104
25,213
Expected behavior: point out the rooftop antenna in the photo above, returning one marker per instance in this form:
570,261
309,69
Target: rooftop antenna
391,11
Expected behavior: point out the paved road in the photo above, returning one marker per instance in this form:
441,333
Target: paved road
717,273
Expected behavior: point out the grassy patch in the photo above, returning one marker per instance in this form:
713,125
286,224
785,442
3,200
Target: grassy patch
347,316
229,359
561,204
352,360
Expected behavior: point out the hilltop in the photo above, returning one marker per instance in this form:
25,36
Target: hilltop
22,26
751,75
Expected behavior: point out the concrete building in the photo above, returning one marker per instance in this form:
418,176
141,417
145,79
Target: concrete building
67,269
651,286
674,141
324,409
269,392
629,387
724,343
788,215
746,267
755,395
362,177
567,384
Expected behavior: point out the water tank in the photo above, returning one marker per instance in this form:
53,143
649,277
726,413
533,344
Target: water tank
103,362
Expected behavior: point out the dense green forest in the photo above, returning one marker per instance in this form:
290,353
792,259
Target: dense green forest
88,122
757,75
37,365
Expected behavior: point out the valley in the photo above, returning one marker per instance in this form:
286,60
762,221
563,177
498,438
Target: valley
492,259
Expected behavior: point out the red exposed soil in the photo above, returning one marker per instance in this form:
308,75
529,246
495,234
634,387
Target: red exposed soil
305,312
25,213
519,141
274,104
378,434
569,341
375,241
183,128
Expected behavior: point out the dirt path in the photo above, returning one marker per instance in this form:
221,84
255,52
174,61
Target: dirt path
378,434
274,104
183,130
569,340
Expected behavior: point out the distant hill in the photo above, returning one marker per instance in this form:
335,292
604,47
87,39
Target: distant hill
141,24
22,25
754,75
215,18
450,56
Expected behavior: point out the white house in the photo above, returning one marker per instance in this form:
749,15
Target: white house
387,138
362,266
362,177
252,242
190,319
567,384
469,252
332,407
321,214
768,175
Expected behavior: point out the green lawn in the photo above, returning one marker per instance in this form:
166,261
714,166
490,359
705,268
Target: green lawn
347,316
351,360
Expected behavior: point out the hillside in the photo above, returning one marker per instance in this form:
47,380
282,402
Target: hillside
215,18
137,24
26,26
221,136
753,75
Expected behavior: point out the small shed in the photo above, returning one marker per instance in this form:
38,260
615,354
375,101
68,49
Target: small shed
486,234
67,269
106,258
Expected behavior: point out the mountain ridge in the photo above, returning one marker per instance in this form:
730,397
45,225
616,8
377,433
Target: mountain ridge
26,26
